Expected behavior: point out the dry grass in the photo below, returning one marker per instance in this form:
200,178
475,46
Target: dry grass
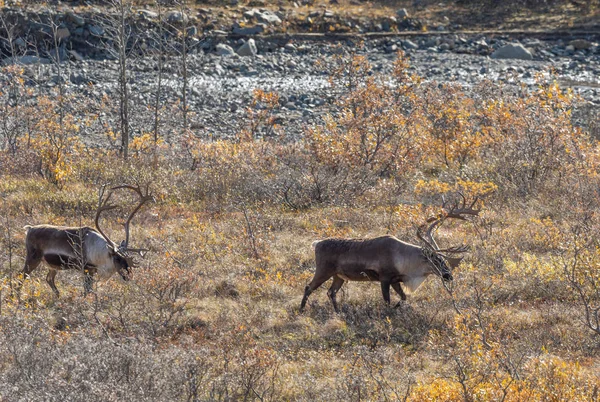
212,312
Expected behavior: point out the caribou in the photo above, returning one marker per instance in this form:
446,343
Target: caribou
83,248
388,260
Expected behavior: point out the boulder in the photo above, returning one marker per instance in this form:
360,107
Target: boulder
253,13
192,31
410,24
269,18
75,55
176,17
248,48
253,30
78,79
96,30
402,13
408,44
512,51
77,20
151,15
581,44
58,54
62,34
386,25
224,50
391,48
20,42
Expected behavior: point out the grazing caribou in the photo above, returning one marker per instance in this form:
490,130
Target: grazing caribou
83,248
388,260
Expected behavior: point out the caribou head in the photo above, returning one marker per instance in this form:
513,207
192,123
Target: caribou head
443,261
122,254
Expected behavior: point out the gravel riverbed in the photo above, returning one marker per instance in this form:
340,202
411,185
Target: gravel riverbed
221,87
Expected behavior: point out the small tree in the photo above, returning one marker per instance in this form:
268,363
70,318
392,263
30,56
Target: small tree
116,35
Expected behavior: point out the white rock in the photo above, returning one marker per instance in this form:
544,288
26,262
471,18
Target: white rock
269,18
148,14
224,50
253,13
409,44
512,51
174,17
248,48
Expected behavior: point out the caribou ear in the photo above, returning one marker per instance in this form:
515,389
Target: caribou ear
453,262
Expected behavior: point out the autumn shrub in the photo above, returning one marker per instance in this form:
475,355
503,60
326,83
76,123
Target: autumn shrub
15,115
212,311
370,134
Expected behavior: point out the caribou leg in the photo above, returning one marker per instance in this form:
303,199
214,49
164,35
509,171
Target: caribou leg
32,261
396,286
332,292
50,279
317,281
385,290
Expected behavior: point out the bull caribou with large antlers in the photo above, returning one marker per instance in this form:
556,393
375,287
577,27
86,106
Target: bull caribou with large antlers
389,260
83,248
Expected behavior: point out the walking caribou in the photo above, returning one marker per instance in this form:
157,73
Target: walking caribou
83,248
388,260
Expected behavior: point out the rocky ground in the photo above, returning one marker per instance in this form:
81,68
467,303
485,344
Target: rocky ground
226,67
221,87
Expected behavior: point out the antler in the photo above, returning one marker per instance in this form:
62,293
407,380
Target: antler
103,205
145,196
458,210
429,242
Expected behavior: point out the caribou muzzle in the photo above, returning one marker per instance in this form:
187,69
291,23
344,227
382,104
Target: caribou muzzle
125,273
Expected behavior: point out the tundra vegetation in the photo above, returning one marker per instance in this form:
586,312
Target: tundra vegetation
211,313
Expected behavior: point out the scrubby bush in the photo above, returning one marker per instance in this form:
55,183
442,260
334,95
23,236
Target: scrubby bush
212,312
